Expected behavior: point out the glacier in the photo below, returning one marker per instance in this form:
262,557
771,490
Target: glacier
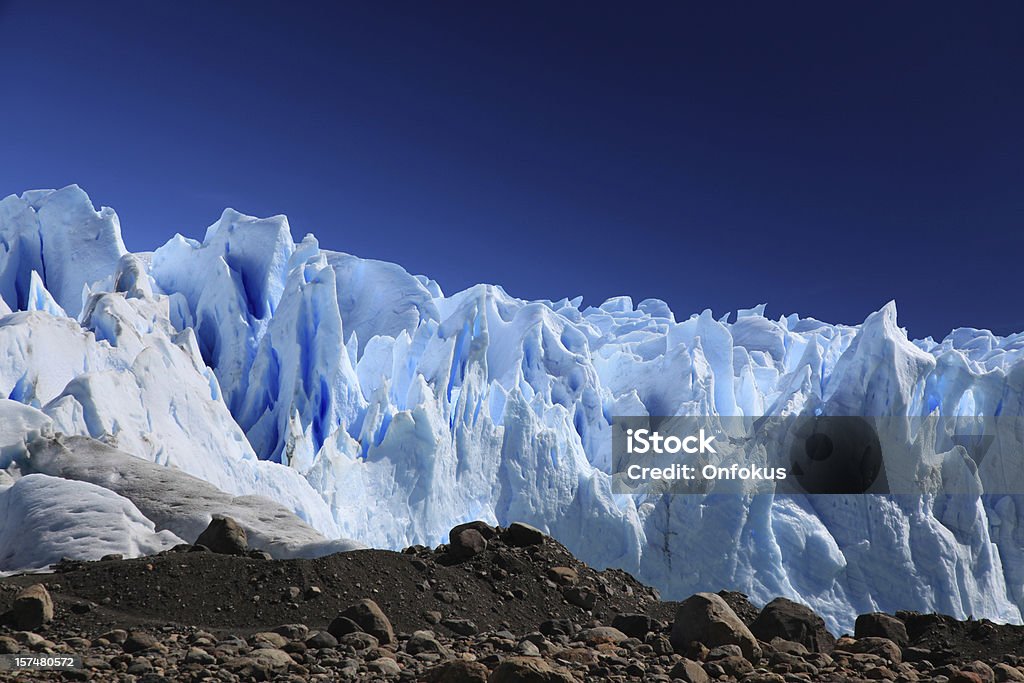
335,401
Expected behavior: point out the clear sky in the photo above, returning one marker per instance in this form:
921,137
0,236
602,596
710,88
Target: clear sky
819,158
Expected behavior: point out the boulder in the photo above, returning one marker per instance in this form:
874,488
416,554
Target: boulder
424,641
138,641
881,625
321,640
602,634
782,618
340,626
467,543
880,647
32,607
634,625
458,671
581,597
369,617
225,536
1005,672
484,529
463,627
564,576
521,535
689,671
707,619
529,670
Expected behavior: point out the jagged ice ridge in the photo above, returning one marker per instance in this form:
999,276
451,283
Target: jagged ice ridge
323,397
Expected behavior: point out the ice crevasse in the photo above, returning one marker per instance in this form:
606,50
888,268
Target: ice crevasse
361,402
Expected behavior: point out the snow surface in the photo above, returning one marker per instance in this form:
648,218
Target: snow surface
375,407
46,518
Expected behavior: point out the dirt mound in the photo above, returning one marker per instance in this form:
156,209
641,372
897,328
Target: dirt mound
494,605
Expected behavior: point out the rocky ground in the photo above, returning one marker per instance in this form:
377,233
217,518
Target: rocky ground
493,605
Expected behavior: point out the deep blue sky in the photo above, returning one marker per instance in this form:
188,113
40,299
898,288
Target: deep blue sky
819,158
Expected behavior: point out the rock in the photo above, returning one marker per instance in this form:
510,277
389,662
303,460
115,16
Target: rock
602,634
117,636
521,535
782,618
8,646
564,576
723,651
342,625
312,593
788,646
463,627
1005,672
458,671
880,647
635,625
267,639
369,618
735,666
320,640
424,641
557,627
32,607
529,670
292,631
467,543
689,671
266,659
140,666
112,557
706,618
138,641
197,655
581,597
982,669
385,666
482,528
224,536
359,641
966,677
881,625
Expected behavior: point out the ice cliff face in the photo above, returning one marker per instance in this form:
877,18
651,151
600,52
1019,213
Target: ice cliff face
370,405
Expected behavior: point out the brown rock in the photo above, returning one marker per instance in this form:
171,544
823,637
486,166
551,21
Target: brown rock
782,618
880,647
458,671
581,597
1005,673
982,669
483,528
521,535
225,536
689,671
706,618
371,619
138,641
32,607
564,576
529,670
966,677
602,634
881,625
467,543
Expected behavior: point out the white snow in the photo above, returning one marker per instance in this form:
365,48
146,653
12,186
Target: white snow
375,407
176,501
43,519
